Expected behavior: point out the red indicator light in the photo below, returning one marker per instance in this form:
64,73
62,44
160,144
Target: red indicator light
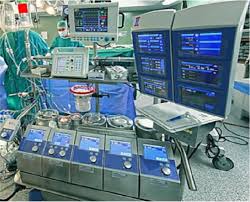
23,8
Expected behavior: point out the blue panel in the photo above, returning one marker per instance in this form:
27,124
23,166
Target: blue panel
9,134
116,162
201,98
61,139
120,148
35,135
82,156
202,68
152,53
242,87
89,143
151,42
153,61
155,153
209,44
153,168
57,149
156,87
26,146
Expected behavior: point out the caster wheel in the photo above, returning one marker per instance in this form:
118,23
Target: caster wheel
223,163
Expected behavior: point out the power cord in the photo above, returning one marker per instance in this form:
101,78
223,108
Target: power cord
17,189
232,124
104,46
229,138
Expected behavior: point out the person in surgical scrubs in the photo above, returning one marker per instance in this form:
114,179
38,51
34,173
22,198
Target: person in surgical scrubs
63,40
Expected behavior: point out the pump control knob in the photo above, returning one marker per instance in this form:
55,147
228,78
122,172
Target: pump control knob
4,134
35,148
127,164
62,153
92,159
166,171
51,151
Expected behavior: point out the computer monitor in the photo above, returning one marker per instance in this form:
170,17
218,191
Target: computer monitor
152,47
94,22
205,51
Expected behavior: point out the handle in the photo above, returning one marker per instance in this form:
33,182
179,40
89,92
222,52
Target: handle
123,20
118,175
186,167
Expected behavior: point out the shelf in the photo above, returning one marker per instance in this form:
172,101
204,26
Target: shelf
47,76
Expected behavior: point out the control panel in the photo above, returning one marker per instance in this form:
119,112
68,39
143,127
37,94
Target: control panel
198,72
201,68
31,148
87,162
94,22
152,47
155,87
9,129
121,166
159,178
201,44
57,154
205,52
70,62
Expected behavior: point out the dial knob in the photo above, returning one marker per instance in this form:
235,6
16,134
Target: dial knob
35,148
62,153
127,164
93,159
51,151
166,171
4,134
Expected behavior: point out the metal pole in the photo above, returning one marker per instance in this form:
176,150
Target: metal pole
97,101
27,48
28,56
186,167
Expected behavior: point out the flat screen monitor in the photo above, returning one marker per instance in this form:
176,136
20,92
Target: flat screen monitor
209,43
89,144
120,148
61,139
35,135
155,153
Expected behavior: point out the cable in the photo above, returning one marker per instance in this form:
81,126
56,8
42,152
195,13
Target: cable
211,144
194,151
229,138
17,189
103,46
232,124
234,132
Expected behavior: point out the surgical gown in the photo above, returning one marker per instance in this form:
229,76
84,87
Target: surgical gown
12,49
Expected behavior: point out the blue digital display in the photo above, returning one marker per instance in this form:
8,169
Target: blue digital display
35,135
89,144
155,87
120,148
61,139
153,65
155,153
200,72
200,98
209,44
151,43
91,20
